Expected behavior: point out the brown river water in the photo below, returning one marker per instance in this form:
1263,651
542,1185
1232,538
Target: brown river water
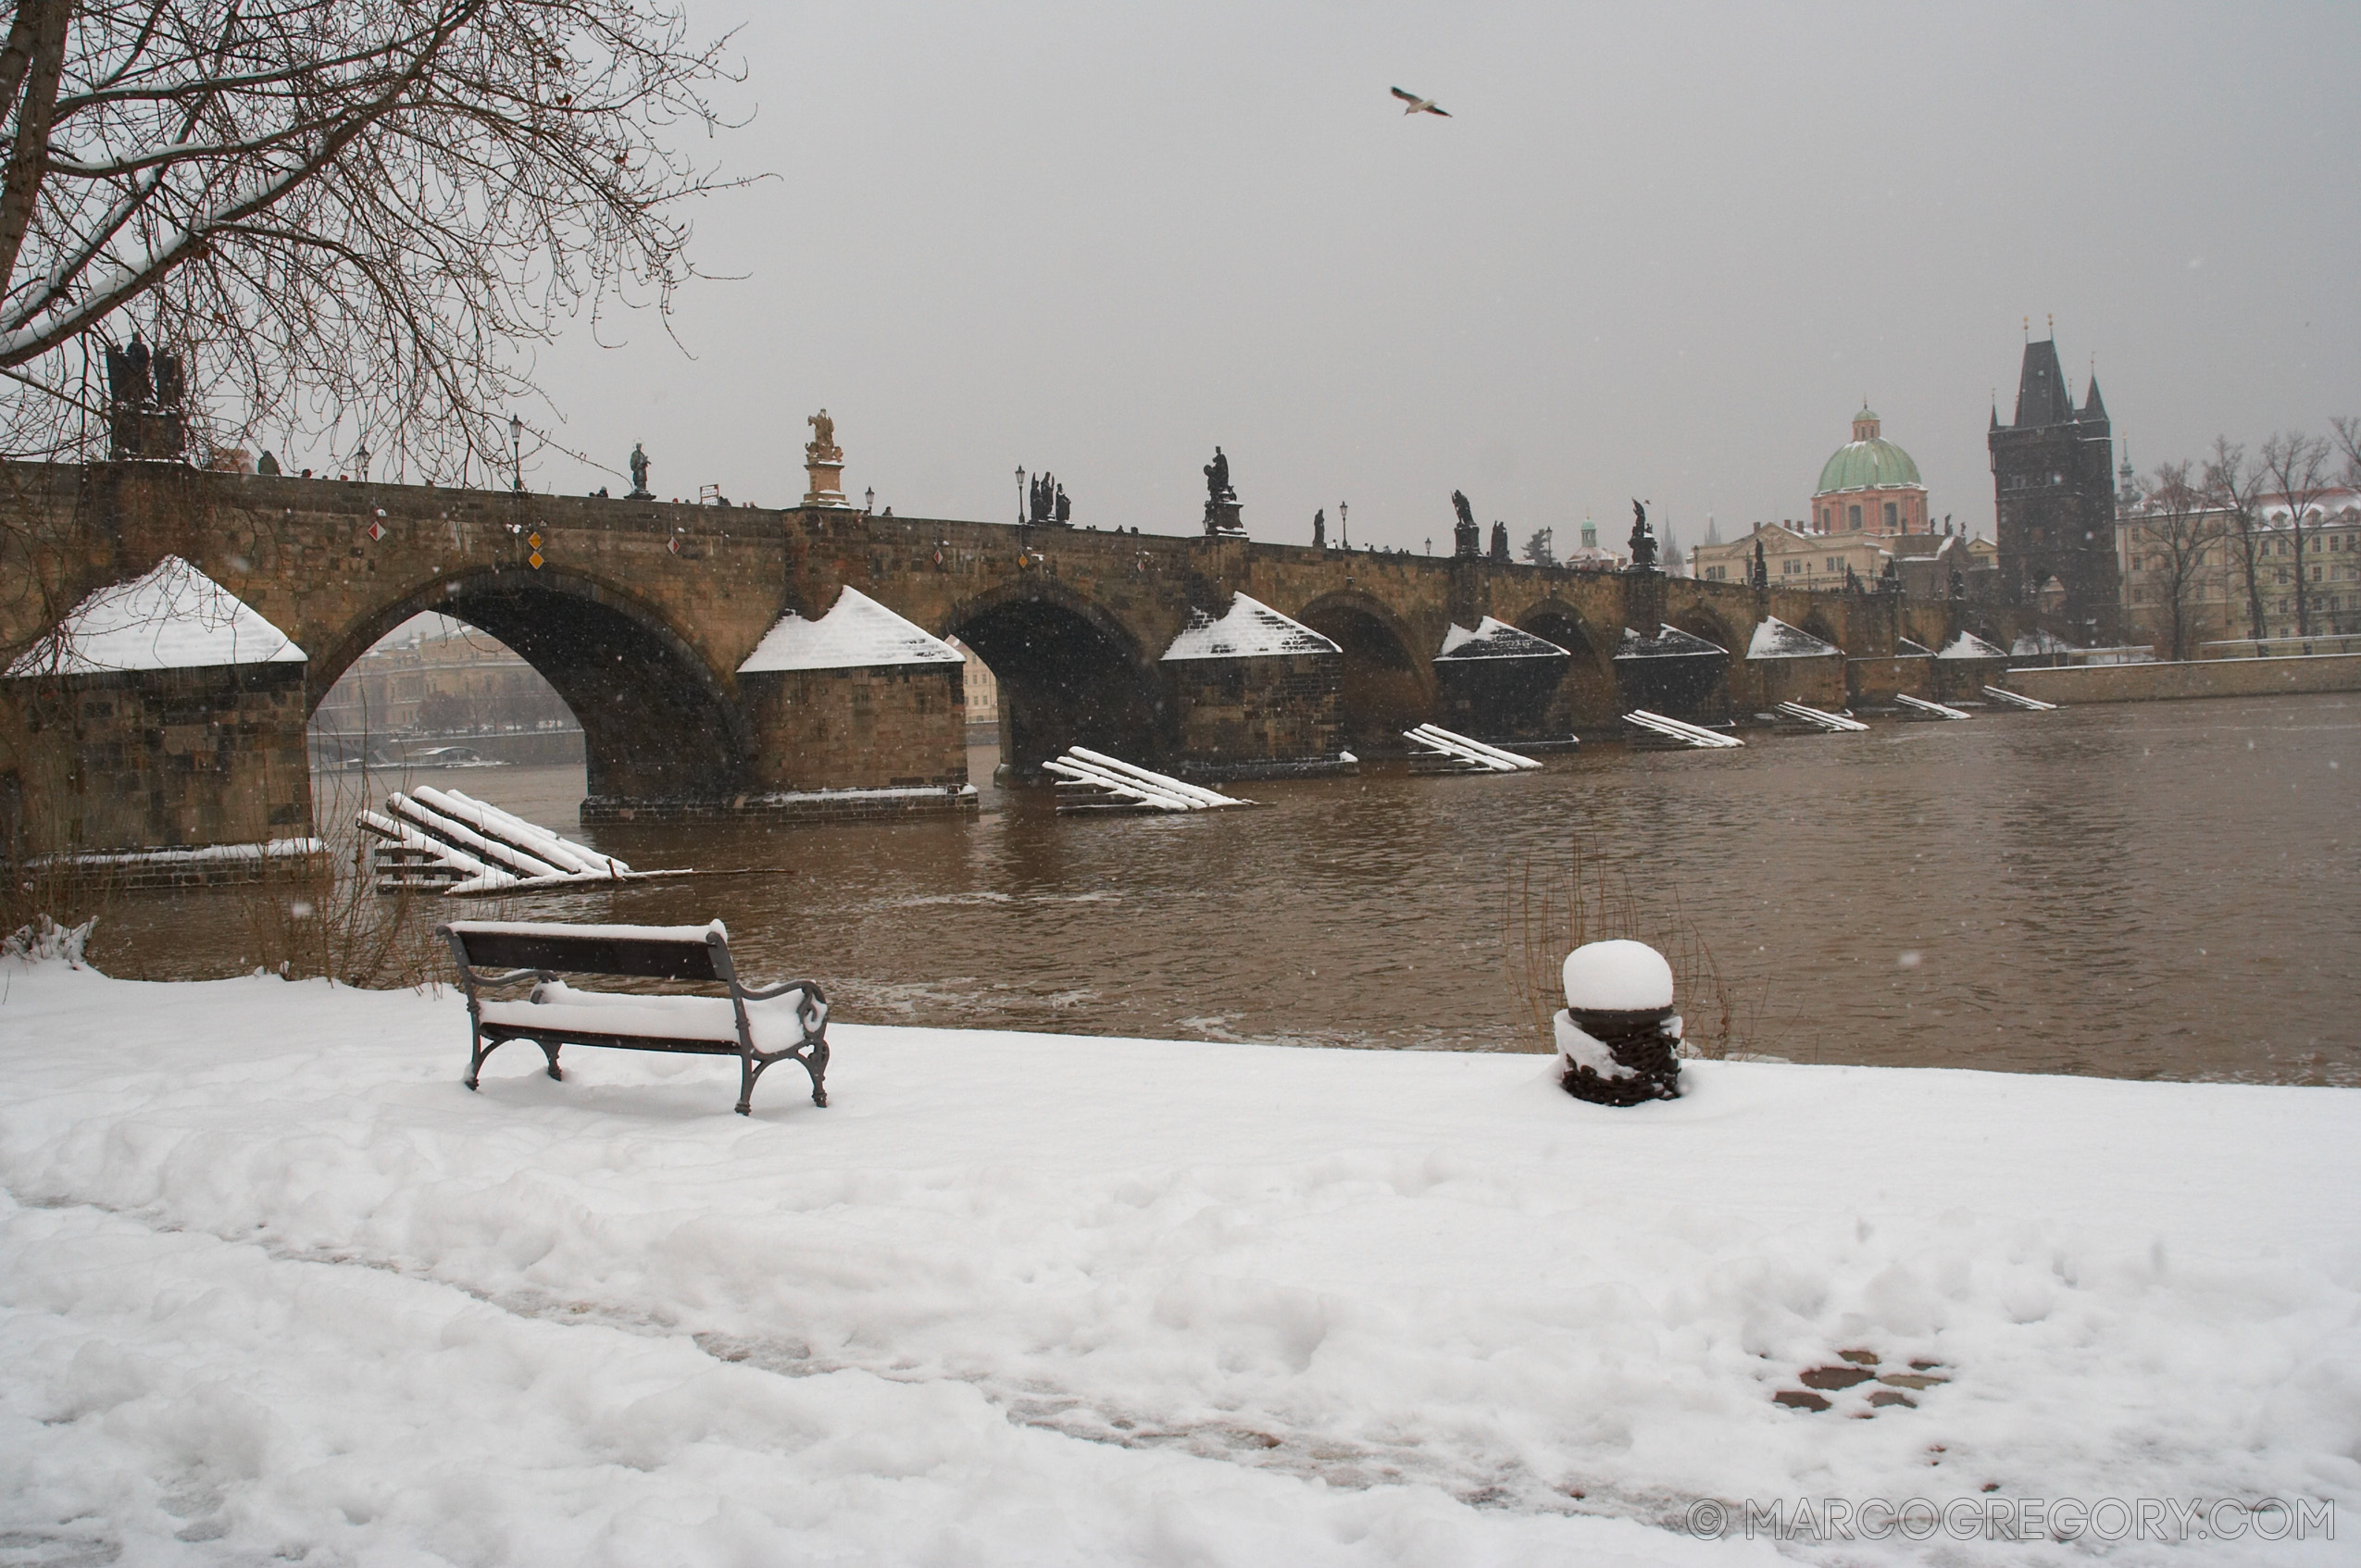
2146,891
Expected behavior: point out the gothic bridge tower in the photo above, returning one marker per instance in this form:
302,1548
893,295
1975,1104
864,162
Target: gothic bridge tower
2054,489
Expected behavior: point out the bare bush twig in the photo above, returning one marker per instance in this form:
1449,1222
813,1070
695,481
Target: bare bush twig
1550,913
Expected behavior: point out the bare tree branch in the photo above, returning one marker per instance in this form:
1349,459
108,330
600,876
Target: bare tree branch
2348,441
355,213
2173,535
16,57
2235,487
2296,465
36,117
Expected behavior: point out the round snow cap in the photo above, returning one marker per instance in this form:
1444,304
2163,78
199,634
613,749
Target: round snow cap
1618,976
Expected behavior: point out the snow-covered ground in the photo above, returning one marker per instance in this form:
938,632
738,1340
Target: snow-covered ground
272,1284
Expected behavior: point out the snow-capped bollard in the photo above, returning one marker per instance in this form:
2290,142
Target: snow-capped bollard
1618,1033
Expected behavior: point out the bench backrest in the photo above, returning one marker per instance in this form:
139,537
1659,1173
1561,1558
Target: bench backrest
589,951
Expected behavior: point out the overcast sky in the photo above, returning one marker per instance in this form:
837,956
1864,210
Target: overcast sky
1659,251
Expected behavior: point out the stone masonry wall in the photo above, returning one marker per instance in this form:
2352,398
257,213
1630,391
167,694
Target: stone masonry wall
1237,713
165,759
2194,677
1815,682
1877,681
890,727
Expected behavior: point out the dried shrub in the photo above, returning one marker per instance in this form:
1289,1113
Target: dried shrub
1551,910
57,890
322,915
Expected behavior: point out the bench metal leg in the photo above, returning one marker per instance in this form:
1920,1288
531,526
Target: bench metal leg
751,1068
477,1051
484,1047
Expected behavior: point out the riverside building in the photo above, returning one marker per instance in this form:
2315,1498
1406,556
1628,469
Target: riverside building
1869,504
2210,580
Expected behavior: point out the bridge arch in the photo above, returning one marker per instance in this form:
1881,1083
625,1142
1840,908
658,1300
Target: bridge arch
1699,621
1386,684
1586,696
1700,687
1071,672
659,722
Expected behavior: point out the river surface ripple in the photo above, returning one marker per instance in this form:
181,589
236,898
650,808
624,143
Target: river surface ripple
2141,891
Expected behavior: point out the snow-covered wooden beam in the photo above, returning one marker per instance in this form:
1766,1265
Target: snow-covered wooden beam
1463,754
1680,732
1091,781
443,839
1820,718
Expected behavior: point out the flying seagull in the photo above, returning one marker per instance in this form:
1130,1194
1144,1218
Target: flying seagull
1419,105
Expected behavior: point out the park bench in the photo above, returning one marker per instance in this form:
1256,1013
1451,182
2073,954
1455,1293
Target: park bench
756,1026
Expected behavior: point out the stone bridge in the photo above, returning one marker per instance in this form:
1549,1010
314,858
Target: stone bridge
641,614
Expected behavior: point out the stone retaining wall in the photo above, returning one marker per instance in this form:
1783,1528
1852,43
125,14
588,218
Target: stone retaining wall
2195,678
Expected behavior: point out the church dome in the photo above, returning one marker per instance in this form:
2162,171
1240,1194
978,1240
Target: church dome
1867,462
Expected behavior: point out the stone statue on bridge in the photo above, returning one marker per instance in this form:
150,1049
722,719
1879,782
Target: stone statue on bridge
1643,538
127,373
144,393
1320,529
640,490
171,388
1467,539
1217,487
1221,498
824,465
1499,542
1046,502
822,447
1758,574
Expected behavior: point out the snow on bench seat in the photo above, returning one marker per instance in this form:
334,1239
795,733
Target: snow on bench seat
778,1024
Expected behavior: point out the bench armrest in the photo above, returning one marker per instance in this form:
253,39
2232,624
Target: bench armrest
508,976
768,991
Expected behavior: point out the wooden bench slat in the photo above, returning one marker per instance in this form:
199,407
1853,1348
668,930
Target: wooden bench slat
665,1043
592,955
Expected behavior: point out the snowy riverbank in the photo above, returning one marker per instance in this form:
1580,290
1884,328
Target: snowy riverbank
271,1282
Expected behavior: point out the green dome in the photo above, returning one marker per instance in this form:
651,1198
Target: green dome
1868,465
